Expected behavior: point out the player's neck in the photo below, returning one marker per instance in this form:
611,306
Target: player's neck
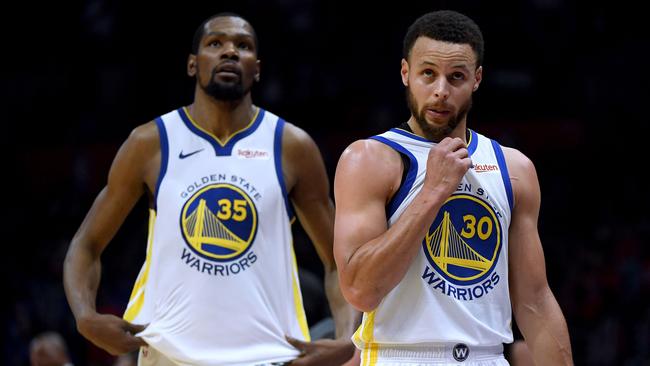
460,131
222,118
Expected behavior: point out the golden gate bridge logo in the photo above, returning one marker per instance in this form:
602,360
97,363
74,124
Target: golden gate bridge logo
464,241
219,222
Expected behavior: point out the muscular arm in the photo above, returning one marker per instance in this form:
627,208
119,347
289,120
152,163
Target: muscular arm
537,312
371,257
131,173
308,185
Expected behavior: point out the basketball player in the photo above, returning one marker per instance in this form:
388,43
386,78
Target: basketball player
219,285
442,234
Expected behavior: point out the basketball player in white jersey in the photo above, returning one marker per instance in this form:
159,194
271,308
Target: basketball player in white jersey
219,285
436,225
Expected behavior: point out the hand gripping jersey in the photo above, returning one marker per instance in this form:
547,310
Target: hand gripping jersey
456,289
219,285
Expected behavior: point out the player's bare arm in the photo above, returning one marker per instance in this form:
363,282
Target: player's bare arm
308,188
133,173
535,308
373,259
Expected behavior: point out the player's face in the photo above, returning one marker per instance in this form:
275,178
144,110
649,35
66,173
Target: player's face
440,78
226,64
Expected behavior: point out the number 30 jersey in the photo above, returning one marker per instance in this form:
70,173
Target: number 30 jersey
456,289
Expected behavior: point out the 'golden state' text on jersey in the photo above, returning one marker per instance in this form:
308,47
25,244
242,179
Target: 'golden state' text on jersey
219,285
456,289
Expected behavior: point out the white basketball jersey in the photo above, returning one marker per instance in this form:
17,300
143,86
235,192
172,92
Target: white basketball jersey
456,289
219,285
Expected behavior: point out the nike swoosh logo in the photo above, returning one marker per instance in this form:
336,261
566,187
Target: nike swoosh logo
183,156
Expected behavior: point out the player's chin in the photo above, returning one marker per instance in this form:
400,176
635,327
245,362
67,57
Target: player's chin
437,122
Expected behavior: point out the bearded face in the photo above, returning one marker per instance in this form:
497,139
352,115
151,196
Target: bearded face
226,90
225,64
436,131
440,78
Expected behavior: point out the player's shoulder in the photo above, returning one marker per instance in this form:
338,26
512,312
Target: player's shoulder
144,137
293,134
145,131
298,146
369,151
517,161
372,162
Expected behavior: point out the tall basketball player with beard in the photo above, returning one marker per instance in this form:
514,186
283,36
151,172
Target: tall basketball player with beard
436,225
219,285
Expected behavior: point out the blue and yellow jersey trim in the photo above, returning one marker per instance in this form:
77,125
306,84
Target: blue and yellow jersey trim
297,297
277,159
410,134
164,157
136,300
472,140
406,186
364,339
221,148
503,167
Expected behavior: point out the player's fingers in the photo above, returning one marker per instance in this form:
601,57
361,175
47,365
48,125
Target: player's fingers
129,344
138,342
134,328
298,344
467,163
461,153
452,144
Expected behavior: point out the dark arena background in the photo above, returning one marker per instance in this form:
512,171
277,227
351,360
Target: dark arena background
564,82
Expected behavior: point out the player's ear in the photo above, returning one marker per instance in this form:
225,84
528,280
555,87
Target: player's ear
191,65
258,67
405,72
478,77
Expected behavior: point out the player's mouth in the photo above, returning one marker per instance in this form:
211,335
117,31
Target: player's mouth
435,113
228,70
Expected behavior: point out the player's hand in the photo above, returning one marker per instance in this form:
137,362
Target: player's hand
355,360
322,352
447,163
115,335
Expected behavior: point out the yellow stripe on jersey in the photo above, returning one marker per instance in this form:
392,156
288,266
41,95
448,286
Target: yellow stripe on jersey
372,354
137,295
189,116
297,298
364,338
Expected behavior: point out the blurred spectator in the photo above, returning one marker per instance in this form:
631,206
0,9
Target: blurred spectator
48,349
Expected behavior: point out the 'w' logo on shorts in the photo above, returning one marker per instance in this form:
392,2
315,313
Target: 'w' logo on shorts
460,352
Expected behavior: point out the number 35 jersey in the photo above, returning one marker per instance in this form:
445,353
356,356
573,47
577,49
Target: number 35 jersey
219,285
456,289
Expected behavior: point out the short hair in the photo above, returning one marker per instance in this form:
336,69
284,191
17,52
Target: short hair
446,26
200,31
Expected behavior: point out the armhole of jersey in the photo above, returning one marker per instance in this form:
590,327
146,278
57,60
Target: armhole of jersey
407,184
406,165
277,156
164,158
472,142
503,167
